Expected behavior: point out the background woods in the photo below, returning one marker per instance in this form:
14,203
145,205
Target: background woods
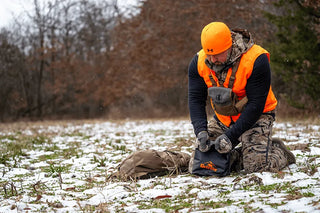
84,59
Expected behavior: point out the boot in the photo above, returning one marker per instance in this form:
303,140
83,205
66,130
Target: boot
276,142
236,162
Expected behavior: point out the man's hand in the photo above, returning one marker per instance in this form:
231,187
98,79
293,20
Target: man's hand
223,144
203,140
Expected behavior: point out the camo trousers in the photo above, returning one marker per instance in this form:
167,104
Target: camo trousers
257,152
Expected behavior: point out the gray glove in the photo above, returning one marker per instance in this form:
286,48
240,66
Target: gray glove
203,140
223,144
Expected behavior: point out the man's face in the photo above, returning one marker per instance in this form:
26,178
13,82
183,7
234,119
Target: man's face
218,59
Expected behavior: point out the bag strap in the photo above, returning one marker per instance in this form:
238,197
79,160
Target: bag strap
233,74
231,79
212,80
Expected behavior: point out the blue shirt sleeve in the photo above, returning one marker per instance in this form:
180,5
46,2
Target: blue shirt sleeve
197,97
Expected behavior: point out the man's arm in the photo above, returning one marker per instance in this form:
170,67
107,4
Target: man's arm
197,96
257,89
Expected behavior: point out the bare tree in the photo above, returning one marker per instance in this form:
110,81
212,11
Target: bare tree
11,64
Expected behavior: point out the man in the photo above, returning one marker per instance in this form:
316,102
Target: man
235,73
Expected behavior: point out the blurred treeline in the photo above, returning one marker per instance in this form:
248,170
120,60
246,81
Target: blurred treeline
87,59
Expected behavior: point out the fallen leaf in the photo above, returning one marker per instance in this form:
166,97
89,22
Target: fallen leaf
162,196
38,197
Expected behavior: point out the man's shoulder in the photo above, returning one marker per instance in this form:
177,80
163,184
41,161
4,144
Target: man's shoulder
254,52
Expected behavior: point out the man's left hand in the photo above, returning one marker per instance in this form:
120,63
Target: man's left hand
223,144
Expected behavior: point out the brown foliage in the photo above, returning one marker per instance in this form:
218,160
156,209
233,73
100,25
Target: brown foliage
95,62
152,50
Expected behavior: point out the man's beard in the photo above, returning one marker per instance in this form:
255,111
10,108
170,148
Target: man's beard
218,63
219,66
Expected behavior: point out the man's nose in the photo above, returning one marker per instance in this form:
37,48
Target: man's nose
212,58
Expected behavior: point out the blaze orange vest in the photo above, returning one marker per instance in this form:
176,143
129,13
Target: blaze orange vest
243,73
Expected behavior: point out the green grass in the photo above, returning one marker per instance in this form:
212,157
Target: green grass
101,161
167,204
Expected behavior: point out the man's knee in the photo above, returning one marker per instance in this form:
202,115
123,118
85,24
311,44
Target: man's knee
215,129
260,159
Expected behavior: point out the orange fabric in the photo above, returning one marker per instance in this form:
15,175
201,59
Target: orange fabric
243,73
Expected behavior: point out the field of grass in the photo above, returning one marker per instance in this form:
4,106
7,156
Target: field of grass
63,166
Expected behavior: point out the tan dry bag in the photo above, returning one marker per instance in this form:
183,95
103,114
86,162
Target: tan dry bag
151,163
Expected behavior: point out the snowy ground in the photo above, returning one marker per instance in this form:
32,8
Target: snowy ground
63,167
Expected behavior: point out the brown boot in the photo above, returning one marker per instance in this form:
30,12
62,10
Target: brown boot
276,142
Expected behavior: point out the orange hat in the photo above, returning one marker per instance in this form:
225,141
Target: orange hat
215,38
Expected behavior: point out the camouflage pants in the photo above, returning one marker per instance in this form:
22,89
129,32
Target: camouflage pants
257,152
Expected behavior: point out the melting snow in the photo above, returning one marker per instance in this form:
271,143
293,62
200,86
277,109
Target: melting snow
87,153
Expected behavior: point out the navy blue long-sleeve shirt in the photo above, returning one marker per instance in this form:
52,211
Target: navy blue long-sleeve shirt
257,89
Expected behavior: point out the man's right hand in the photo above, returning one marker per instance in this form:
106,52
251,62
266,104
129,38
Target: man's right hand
203,140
